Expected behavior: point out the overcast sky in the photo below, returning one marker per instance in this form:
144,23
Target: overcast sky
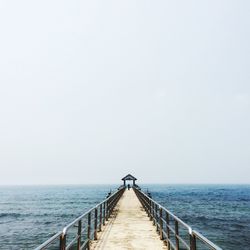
93,90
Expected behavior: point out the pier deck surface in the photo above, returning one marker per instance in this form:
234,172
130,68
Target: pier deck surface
128,228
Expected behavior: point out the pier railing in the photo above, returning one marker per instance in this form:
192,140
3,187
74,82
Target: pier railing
79,233
176,233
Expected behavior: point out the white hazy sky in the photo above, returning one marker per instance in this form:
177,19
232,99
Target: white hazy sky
93,90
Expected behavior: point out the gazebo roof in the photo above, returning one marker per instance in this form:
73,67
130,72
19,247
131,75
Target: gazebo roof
129,177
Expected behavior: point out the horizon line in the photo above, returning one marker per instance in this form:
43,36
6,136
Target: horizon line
119,184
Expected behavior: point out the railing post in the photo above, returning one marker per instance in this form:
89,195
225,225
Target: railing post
79,234
150,203
104,209
153,213
63,242
107,208
114,202
100,219
168,230
145,202
148,206
161,224
89,229
95,225
156,218
110,207
192,242
176,235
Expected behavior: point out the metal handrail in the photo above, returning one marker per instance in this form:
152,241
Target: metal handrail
170,213
101,212
50,241
205,240
155,212
162,218
65,229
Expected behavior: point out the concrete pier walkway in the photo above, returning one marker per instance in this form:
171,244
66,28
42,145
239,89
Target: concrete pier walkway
128,228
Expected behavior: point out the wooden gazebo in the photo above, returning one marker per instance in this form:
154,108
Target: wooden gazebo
129,177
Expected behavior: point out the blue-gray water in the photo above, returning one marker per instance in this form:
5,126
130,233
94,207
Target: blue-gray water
31,214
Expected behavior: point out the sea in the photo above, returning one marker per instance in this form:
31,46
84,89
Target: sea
29,215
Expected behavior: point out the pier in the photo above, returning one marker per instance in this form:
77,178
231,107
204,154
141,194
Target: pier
128,219
129,227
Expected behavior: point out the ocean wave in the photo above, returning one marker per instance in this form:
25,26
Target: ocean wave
13,215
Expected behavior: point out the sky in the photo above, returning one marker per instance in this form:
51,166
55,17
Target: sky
93,90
